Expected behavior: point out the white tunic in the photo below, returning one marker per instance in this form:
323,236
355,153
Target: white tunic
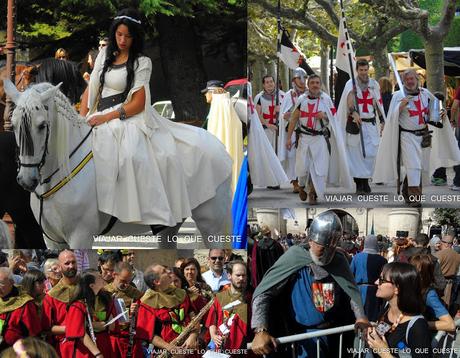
150,170
267,106
361,167
287,157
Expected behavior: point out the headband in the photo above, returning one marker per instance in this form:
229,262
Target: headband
129,18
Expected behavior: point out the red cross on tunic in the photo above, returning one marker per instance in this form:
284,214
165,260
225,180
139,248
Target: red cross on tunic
365,101
419,112
309,114
270,115
333,110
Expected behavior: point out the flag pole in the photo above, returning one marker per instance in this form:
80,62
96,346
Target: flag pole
331,76
352,73
278,52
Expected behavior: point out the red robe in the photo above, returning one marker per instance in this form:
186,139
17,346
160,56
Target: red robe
236,338
162,321
53,314
22,322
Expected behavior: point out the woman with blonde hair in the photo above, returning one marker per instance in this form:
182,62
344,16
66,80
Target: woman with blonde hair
61,54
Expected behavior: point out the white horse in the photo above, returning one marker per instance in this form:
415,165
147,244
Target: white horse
48,130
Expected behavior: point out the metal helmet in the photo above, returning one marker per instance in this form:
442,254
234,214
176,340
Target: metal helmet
299,72
326,230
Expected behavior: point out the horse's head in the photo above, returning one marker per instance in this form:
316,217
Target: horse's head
31,125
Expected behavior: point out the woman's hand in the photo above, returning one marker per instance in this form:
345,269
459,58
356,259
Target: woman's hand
97,120
194,289
377,342
99,326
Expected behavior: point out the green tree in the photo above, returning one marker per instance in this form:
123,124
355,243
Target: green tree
446,217
180,27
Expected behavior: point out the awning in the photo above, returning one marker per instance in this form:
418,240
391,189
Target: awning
451,60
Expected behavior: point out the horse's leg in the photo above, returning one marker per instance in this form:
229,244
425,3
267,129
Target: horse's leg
214,217
166,237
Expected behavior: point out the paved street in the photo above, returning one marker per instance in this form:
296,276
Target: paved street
382,195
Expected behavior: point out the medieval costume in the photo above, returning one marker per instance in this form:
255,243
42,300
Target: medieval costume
317,296
406,141
287,157
55,311
370,107
224,123
18,318
119,337
320,155
266,102
146,158
77,325
163,314
264,165
230,318
366,267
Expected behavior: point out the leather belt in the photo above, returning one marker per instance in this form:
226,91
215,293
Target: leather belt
309,131
417,132
110,101
369,120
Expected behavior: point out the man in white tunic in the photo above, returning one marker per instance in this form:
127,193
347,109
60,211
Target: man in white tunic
320,144
409,143
287,157
268,108
367,115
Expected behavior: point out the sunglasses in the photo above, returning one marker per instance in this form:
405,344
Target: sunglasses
446,242
214,258
382,281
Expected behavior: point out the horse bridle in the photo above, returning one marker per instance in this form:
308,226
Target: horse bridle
40,164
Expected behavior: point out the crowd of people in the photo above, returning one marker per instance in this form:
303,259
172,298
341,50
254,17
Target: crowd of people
117,310
375,134
401,292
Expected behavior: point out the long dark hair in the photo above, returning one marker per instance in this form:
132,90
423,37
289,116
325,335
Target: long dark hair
406,278
425,267
29,279
137,46
85,293
193,261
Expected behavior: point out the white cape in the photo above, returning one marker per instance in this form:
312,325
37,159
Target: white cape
444,150
264,166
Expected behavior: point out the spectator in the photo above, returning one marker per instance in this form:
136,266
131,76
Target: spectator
386,90
435,244
216,276
61,54
30,347
419,247
366,267
455,119
436,314
52,272
401,325
138,278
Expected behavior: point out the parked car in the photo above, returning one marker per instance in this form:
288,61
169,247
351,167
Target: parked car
165,109
240,85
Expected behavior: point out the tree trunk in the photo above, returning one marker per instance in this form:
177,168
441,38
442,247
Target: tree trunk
324,53
182,63
434,58
380,63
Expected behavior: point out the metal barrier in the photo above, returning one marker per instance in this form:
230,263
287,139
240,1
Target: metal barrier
320,333
360,345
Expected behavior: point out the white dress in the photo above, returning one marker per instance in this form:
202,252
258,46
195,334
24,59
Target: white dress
150,170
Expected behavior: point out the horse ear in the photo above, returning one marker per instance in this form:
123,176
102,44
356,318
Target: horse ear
11,90
49,93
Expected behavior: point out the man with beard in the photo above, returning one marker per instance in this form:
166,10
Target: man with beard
227,318
121,289
365,117
138,275
320,155
164,312
268,109
318,283
56,300
407,141
288,157
18,313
